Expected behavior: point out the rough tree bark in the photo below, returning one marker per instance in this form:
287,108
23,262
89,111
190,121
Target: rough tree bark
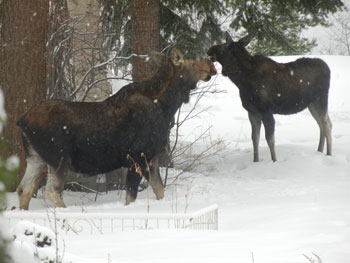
22,65
87,45
58,47
145,36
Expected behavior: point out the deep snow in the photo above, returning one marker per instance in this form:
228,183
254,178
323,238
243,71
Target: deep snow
268,212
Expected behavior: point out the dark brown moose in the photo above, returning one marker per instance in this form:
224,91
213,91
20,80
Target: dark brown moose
97,137
267,87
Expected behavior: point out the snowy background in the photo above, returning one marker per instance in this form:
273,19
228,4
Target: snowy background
268,212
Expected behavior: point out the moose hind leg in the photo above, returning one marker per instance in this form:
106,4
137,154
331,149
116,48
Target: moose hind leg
328,128
55,185
155,179
255,121
36,170
321,116
269,125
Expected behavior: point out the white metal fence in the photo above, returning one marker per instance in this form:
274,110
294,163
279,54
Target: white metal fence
206,219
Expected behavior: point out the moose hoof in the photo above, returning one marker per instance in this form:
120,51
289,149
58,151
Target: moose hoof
24,199
160,195
55,198
129,198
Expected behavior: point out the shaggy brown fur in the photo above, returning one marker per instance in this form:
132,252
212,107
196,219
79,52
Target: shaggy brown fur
97,137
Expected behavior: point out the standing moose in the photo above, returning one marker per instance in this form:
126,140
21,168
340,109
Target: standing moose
97,137
267,87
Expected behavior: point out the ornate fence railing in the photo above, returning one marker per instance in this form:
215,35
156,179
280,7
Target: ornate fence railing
206,219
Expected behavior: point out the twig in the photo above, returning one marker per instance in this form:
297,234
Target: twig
149,182
84,187
312,260
135,165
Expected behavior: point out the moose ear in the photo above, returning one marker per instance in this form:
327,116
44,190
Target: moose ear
157,57
229,39
176,56
244,41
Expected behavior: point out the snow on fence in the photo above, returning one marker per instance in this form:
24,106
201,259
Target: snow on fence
206,219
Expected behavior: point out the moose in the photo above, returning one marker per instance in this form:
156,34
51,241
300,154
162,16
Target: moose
267,87
128,129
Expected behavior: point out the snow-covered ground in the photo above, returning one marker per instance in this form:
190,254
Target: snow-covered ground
268,212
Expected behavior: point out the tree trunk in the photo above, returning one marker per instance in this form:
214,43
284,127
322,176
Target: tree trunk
58,48
22,65
145,36
88,50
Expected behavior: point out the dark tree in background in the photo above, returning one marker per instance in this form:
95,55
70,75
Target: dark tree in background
190,26
277,24
22,64
193,26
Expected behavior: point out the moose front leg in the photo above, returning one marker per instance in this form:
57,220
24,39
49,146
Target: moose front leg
255,121
269,124
133,180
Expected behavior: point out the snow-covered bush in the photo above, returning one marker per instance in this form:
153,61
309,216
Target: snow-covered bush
4,242
7,173
36,243
7,170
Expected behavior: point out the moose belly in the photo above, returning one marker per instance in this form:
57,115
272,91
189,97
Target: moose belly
104,159
275,103
289,106
111,152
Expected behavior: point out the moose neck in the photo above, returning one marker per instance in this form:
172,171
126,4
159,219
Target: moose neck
152,88
240,73
177,93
